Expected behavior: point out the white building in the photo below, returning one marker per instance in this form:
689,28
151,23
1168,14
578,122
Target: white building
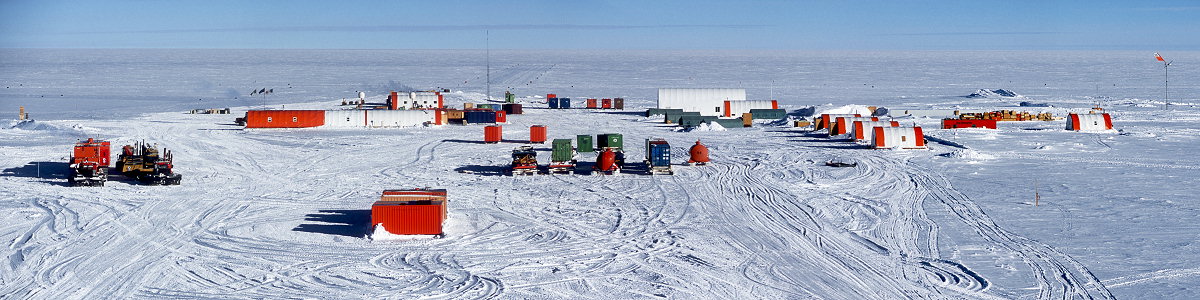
708,102
865,130
899,137
734,108
358,118
1089,122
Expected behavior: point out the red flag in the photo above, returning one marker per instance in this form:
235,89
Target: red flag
1159,57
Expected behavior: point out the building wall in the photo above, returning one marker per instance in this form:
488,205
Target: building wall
865,130
706,101
903,137
737,108
1089,122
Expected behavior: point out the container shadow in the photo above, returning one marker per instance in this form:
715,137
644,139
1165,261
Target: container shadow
352,223
39,169
463,141
842,147
483,170
621,112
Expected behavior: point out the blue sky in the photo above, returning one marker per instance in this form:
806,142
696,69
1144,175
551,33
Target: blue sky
803,25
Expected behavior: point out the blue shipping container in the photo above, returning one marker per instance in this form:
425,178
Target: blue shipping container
658,153
564,102
480,116
553,102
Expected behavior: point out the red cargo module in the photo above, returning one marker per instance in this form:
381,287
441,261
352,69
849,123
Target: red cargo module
957,123
284,118
92,151
591,103
537,134
501,116
492,134
409,217
416,195
606,103
548,96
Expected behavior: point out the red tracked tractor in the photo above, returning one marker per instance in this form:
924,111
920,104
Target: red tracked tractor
89,163
143,162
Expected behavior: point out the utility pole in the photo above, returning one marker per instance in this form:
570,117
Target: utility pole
1166,99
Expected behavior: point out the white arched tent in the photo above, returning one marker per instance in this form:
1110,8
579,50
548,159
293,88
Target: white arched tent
841,125
1089,122
899,137
865,130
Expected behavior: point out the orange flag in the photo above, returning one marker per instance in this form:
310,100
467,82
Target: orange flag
1159,57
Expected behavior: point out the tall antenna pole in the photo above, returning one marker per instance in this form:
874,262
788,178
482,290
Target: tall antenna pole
488,53
1166,99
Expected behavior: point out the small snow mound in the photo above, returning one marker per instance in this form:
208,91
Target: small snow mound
969,154
847,109
381,234
996,93
713,126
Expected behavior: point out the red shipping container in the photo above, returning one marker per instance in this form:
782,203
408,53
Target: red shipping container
409,217
394,101
548,96
537,134
284,118
591,103
501,116
605,103
492,134
416,195
957,123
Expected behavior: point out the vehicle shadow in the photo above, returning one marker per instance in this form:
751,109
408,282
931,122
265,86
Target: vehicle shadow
39,169
352,223
483,170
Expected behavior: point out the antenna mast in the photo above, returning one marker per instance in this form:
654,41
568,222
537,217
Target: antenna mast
488,60
1166,99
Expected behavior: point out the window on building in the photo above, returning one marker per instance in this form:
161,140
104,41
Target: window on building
903,138
718,109
268,119
295,119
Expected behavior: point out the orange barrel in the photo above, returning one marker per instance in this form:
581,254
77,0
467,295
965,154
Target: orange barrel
699,153
537,134
492,134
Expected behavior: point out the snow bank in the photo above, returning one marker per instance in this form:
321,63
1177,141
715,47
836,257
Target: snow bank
381,234
847,109
996,93
970,154
713,126
35,125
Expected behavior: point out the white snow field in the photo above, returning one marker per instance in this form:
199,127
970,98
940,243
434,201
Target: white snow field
284,213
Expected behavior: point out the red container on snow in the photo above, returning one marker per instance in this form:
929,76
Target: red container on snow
591,103
956,123
537,134
548,96
284,118
501,116
409,217
492,134
605,103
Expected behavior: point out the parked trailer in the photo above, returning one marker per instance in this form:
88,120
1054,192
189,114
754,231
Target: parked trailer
524,161
562,157
89,163
658,157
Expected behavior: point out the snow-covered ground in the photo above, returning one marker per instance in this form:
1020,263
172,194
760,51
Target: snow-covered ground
282,213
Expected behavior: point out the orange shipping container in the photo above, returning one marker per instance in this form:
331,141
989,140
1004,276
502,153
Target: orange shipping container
284,118
409,217
537,134
416,195
501,116
492,134
591,103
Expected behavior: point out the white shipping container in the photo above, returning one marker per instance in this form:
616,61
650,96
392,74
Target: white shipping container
346,118
400,118
737,108
902,137
706,101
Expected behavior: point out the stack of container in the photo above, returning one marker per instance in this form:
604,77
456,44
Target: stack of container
413,211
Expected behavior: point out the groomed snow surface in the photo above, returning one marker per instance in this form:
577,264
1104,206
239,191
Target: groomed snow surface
284,213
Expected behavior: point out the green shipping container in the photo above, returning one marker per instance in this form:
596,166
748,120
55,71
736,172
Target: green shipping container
673,117
659,111
610,140
768,114
510,97
729,123
561,150
584,143
693,121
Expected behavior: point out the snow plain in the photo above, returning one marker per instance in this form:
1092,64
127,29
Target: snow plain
282,213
